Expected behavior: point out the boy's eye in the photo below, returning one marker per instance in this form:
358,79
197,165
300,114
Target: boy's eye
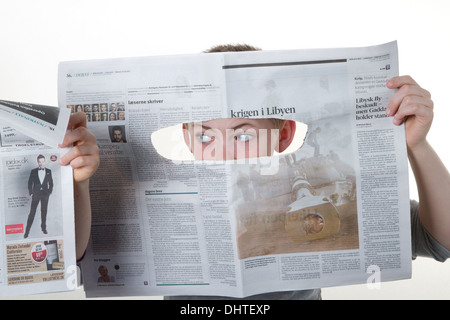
242,137
203,138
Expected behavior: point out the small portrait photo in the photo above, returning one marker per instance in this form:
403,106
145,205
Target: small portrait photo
117,134
95,117
103,107
104,276
120,106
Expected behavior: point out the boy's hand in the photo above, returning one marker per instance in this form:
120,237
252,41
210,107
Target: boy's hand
83,156
413,106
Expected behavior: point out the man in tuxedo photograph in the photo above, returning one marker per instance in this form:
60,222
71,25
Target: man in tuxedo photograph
40,186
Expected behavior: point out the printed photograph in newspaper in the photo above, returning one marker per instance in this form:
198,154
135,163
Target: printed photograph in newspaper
32,208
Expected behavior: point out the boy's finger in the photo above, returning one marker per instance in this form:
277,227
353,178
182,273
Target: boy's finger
399,81
88,162
78,151
77,120
80,134
406,91
413,109
415,101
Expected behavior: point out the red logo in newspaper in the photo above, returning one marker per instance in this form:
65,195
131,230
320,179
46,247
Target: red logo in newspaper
13,228
39,252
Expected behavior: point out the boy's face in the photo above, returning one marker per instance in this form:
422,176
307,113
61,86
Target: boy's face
237,138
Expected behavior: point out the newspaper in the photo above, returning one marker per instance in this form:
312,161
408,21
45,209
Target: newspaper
334,212
37,246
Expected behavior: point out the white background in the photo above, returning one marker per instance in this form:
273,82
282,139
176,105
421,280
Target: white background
36,35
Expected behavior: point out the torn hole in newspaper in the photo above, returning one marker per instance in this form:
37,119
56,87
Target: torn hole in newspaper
226,139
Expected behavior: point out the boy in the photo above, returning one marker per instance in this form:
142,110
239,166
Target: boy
430,220
411,105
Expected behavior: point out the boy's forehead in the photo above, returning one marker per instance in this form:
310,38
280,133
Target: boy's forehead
232,123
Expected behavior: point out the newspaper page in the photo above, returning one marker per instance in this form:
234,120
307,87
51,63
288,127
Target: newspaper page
333,212
37,246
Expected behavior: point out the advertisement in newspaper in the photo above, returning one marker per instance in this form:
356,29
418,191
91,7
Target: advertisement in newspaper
37,246
174,213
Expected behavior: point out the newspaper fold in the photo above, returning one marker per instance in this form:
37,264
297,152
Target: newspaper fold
45,124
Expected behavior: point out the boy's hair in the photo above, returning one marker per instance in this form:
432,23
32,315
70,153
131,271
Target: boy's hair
232,48
237,48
